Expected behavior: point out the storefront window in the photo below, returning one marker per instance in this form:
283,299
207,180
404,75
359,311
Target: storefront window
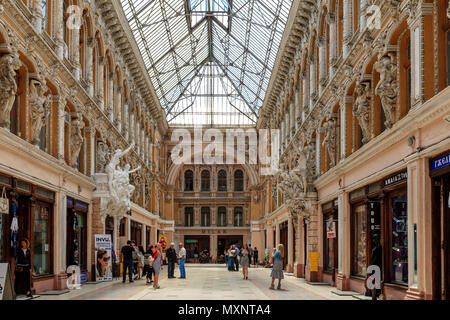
41,240
399,239
330,243
360,240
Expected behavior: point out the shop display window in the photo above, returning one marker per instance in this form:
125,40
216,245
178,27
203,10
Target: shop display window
330,242
360,240
2,253
41,240
399,239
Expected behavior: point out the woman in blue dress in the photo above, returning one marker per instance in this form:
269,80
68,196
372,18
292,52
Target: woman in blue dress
277,269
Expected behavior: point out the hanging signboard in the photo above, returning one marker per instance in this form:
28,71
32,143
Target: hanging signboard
440,162
331,229
103,254
6,286
374,213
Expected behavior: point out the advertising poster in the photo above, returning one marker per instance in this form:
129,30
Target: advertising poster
103,254
331,229
313,258
163,241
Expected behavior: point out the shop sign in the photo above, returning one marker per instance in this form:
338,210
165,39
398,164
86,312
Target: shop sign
401,176
374,213
440,162
313,258
6,286
331,229
103,254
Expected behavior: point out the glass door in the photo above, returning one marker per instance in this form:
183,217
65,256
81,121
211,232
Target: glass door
41,239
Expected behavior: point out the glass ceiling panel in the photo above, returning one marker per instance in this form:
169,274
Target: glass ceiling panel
210,61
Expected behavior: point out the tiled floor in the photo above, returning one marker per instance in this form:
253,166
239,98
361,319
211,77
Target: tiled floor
205,282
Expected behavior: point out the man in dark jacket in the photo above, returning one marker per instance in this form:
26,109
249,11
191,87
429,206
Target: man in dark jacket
171,259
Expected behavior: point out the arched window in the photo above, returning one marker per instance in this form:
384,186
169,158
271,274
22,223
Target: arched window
238,180
222,180
222,216
206,180
206,217
238,217
189,180
188,217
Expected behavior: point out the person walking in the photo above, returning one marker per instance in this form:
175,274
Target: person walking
236,258
250,254
277,269
255,257
157,265
127,260
135,259
245,261
171,260
141,262
230,255
182,256
148,264
23,268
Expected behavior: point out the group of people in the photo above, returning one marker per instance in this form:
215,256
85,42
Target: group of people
234,256
150,262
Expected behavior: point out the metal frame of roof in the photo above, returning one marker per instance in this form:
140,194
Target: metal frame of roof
207,49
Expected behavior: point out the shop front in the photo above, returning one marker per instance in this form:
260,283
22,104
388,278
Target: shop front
440,206
379,227
195,246
330,241
76,246
33,206
225,242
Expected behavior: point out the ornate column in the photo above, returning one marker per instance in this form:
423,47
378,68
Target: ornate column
282,135
101,88
292,115
270,239
196,216
37,15
322,63
277,234
60,127
347,25
59,27
343,135
362,15
305,104
92,146
331,20
89,67
312,80
110,88
298,108
213,216
318,152
286,128
290,245
118,114
125,123
230,216
75,52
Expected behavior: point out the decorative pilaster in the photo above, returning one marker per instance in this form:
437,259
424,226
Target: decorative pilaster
347,24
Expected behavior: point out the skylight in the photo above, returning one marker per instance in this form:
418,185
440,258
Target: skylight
210,61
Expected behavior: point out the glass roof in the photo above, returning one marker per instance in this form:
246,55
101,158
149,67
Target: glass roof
210,61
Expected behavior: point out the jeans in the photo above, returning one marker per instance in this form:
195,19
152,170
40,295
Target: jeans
236,262
171,269
128,264
182,269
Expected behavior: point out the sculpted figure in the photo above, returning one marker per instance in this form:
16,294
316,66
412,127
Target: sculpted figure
76,138
387,87
8,87
102,156
111,168
329,140
39,108
361,109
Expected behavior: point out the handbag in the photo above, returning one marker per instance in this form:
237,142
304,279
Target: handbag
150,261
4,202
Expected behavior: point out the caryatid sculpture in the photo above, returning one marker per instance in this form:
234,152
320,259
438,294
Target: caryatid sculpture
387,87
39,108
8,87
361,109
329,141
76,138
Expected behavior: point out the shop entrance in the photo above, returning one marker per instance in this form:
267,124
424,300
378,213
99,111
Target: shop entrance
224,243
441,236
284,240
76,246
195,247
